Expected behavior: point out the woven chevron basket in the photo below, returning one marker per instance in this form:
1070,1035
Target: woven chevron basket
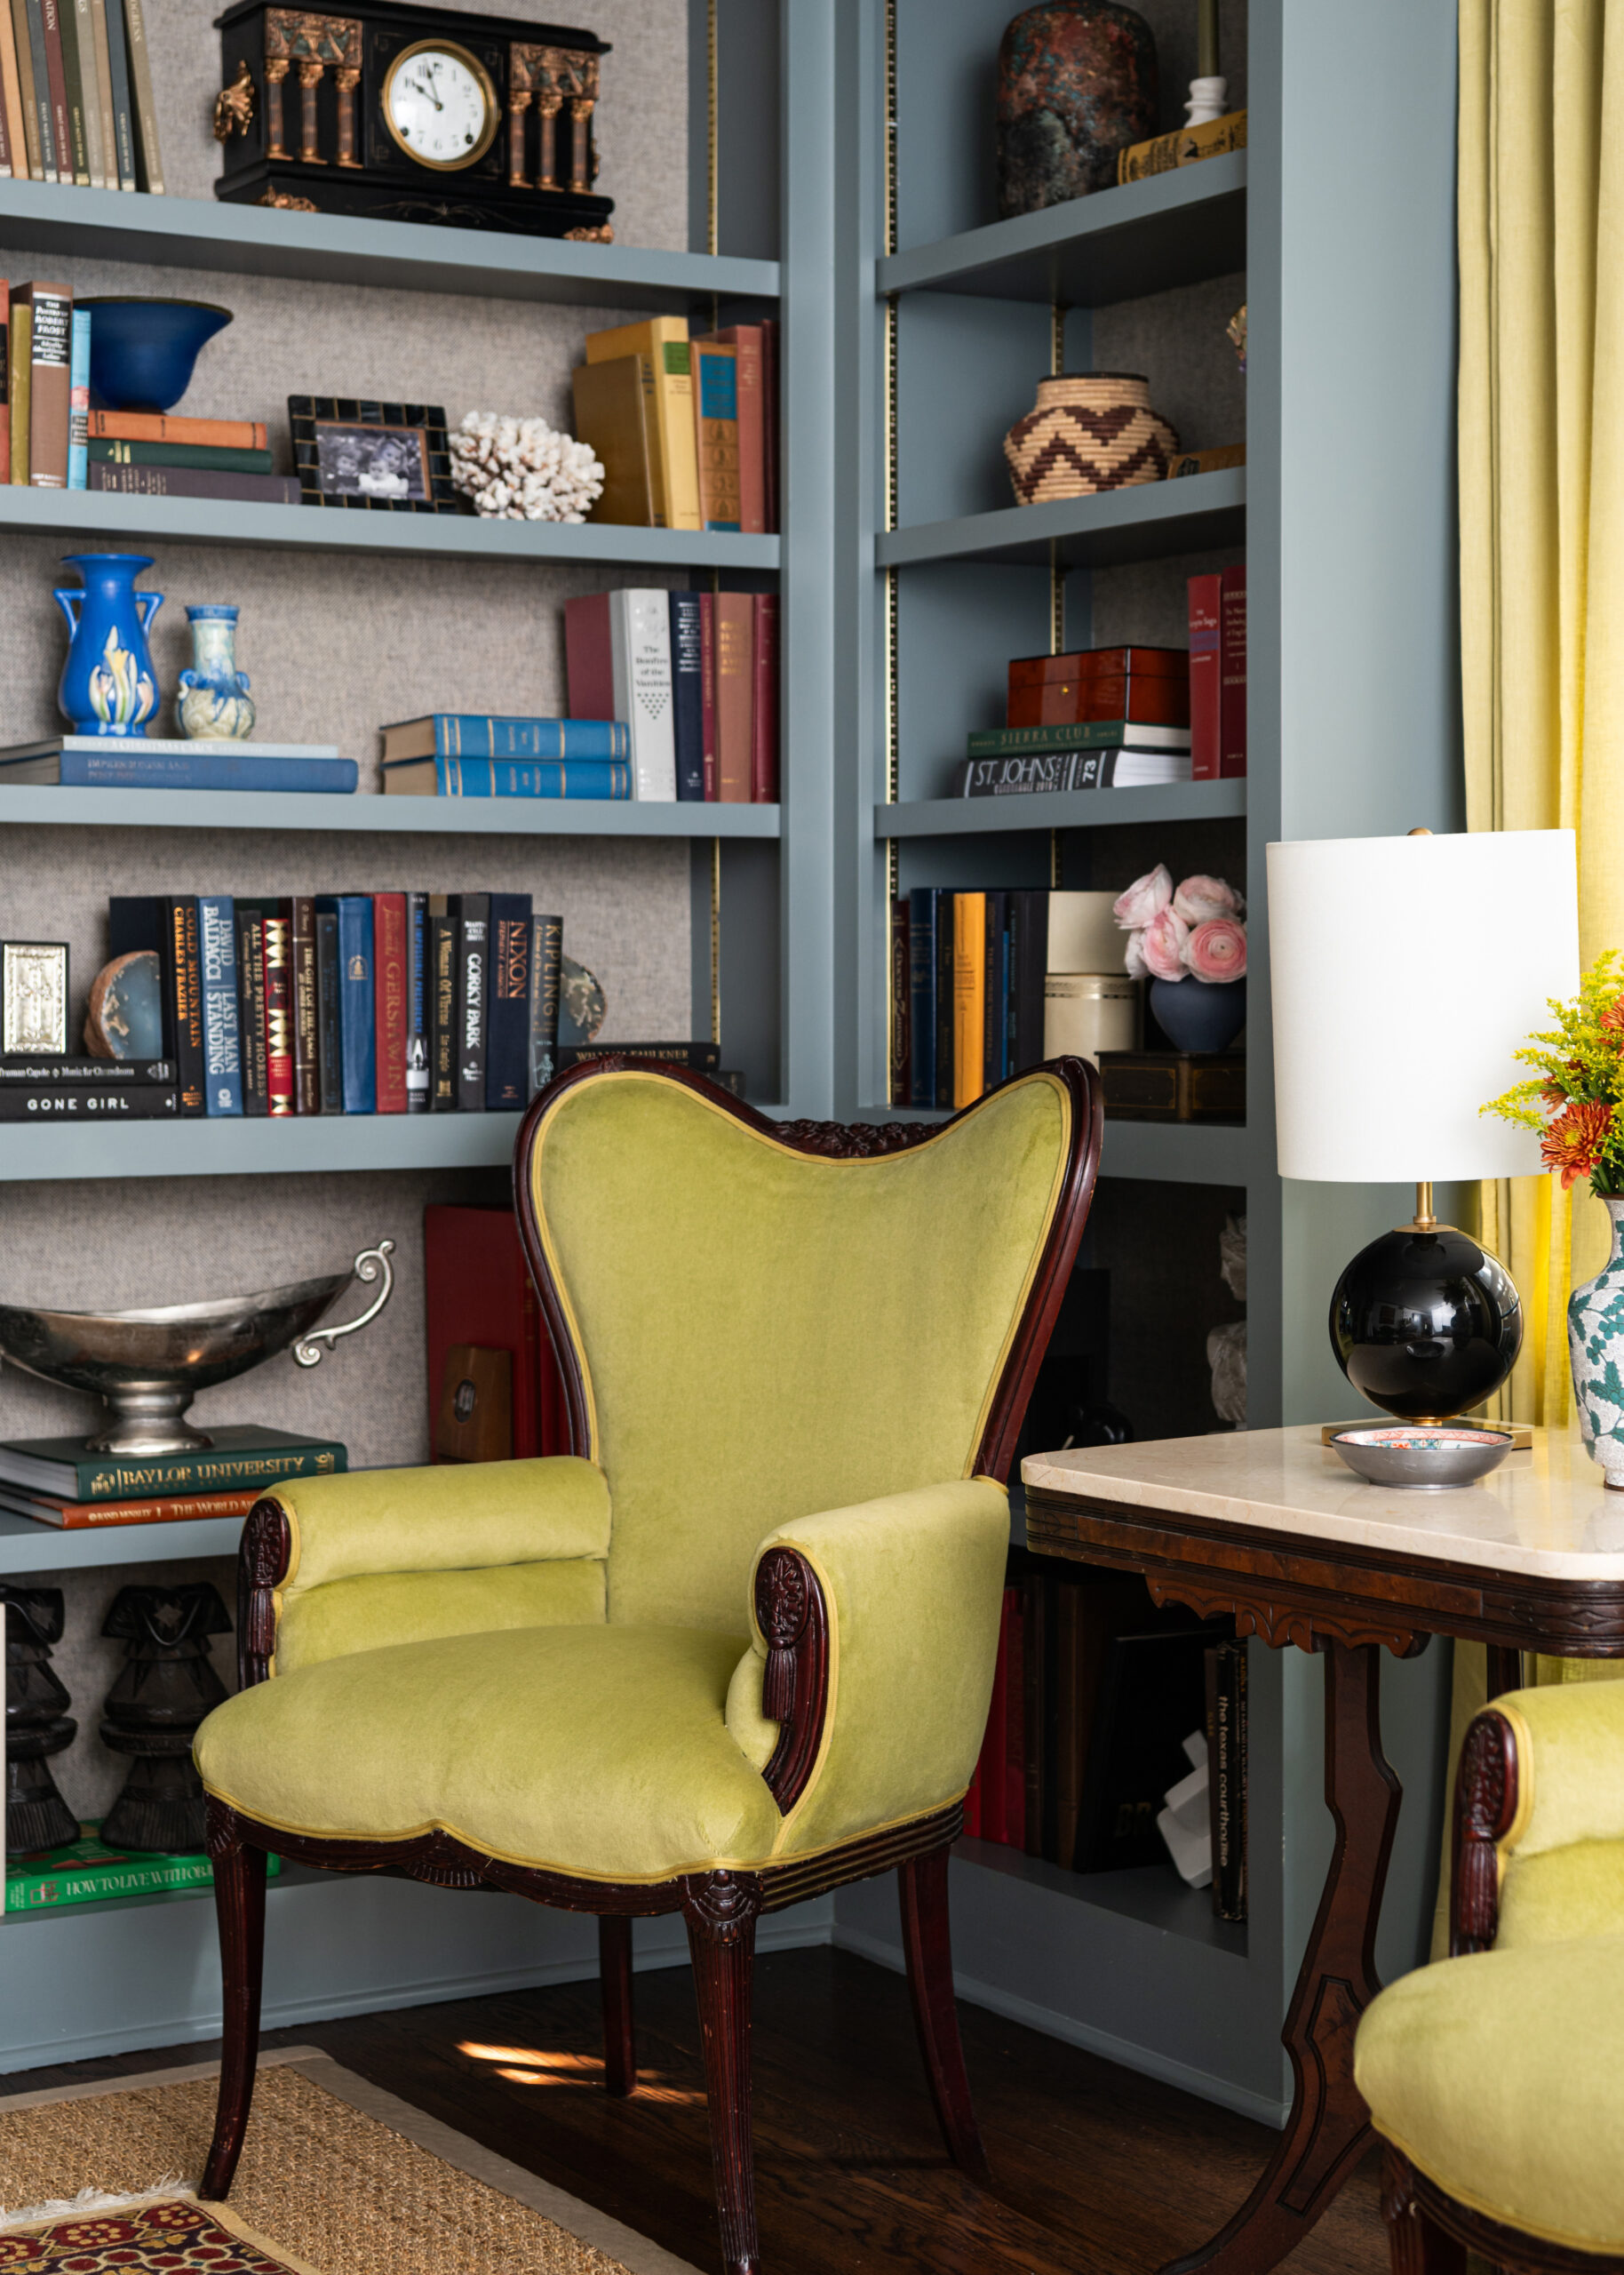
1089,433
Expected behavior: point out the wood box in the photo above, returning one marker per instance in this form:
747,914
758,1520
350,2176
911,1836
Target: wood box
1173,1085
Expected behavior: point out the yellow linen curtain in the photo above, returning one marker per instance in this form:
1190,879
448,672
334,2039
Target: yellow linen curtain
1540,189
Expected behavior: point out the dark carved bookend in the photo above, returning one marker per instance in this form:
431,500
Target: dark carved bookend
36,1817
165,1688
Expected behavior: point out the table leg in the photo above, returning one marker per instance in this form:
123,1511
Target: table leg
1329,2126
1505,1668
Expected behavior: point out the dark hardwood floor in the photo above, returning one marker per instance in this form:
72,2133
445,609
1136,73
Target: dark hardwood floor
1096,2168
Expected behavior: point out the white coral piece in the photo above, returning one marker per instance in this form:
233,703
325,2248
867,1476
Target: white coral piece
524,470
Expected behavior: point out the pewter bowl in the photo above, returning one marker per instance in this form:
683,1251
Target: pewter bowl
148,1366
1420,1457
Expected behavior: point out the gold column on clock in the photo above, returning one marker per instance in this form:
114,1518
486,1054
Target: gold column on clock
346,81
309,78
276,70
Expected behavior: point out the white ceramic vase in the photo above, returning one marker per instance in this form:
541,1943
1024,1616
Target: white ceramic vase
1596,1340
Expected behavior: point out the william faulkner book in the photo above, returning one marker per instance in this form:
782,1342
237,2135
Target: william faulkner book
243,1455
390,985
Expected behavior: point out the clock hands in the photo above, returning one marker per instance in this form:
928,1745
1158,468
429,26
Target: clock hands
418,87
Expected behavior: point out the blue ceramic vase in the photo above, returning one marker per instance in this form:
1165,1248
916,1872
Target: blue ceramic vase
213,704
107,686
1596,1344
1199,1014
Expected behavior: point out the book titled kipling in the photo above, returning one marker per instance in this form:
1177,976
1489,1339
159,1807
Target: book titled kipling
470,734
137,763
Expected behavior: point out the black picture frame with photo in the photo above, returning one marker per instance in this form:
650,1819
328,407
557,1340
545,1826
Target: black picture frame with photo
388,457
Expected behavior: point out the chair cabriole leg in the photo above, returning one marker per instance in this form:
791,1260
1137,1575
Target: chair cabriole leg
720,1913
928,1945
1419,2246
615,1986
239,1909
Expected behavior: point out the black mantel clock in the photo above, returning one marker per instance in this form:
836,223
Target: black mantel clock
404,114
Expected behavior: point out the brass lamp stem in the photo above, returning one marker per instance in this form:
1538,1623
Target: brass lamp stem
1425,1221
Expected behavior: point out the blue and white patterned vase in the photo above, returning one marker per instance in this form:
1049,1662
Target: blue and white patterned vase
1596,1339
107,686
213,704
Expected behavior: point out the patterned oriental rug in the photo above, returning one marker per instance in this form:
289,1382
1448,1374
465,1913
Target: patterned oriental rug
338,2178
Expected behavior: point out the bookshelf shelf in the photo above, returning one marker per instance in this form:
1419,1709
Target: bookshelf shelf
1158,1898
201,521
25,804
1161,1153
1119,244
1196,514
399,256
258,1148
28,1547
1057,810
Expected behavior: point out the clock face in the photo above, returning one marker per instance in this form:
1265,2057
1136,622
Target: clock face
440,105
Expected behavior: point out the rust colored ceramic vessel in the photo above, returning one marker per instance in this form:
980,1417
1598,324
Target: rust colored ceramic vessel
1077,81
1088,431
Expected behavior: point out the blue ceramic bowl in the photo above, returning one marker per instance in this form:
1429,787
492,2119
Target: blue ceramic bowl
142,352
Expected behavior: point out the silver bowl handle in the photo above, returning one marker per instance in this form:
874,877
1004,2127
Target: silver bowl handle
372,1263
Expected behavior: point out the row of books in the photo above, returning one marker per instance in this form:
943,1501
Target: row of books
390,1002
693,676
1094,1695
685,428
75,94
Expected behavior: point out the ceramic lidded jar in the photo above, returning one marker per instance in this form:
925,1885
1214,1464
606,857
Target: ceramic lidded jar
1076,81
1596,1344
1088,432
213,704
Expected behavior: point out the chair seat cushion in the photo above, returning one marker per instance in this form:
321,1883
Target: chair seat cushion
600,1752
1498,2076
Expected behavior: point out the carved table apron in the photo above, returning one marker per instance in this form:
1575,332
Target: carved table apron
1270,1526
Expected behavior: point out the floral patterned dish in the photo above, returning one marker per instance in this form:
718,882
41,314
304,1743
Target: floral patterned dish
1424,1458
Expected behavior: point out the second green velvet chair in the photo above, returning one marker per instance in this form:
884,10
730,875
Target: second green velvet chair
738,1647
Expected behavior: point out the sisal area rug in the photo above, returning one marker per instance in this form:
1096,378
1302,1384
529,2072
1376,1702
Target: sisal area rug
337,2178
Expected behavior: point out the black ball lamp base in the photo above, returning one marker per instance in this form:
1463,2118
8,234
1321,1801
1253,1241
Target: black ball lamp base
1425,1323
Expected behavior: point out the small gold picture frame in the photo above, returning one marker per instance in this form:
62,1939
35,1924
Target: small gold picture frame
34,997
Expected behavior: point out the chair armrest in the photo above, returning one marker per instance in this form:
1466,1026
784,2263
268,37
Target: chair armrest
462,1517
864,1696
1539,1770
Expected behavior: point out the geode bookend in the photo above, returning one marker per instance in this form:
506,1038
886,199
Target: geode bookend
1076,81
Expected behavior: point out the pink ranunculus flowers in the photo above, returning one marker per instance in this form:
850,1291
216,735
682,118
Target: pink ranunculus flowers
1144,898
1198,899
1216,951
1163,943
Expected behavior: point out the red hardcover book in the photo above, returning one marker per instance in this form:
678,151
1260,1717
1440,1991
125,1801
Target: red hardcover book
1015,1719
992,1746
1233,671
389,998
279,1009
57,78
769,424
746,341
1206,683
764,700
479,1291
707,691
734,615
588,660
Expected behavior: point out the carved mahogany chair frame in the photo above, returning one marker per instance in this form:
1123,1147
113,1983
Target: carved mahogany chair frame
1431,2233
720,1909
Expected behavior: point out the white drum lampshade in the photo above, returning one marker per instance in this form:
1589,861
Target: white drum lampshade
1406,973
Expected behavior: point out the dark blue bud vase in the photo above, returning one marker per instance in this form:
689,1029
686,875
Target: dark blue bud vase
1199,1014
107,686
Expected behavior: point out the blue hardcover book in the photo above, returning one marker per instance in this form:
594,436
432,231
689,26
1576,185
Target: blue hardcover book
357,1035
222,1051
922,993
687,694
417,1003
76,770
79,401
508,778
507,1020
465,734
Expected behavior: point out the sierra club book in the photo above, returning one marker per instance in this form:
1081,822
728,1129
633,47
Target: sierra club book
86,1871
248,920
242,1456
663,344
507,1033
202,458
507,778
1205,599
163,1508
1080,770
472,1014
329,1055
195,482
357,1043
469,734
442,926
276,930
639,648
307,1042
734,614
161,427
221,1036
688,694
417,1003
613,417
59,1073
111,763
716,414
78,397
50,362
389,998
546,989
746,341
1089,734
90,1102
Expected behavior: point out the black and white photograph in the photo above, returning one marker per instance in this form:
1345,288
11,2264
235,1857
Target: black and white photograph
374,461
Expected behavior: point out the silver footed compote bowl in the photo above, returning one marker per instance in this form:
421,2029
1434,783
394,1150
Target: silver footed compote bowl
148,1366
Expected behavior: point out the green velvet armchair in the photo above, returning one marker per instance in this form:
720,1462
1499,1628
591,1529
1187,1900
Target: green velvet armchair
1494,2077
737,1647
